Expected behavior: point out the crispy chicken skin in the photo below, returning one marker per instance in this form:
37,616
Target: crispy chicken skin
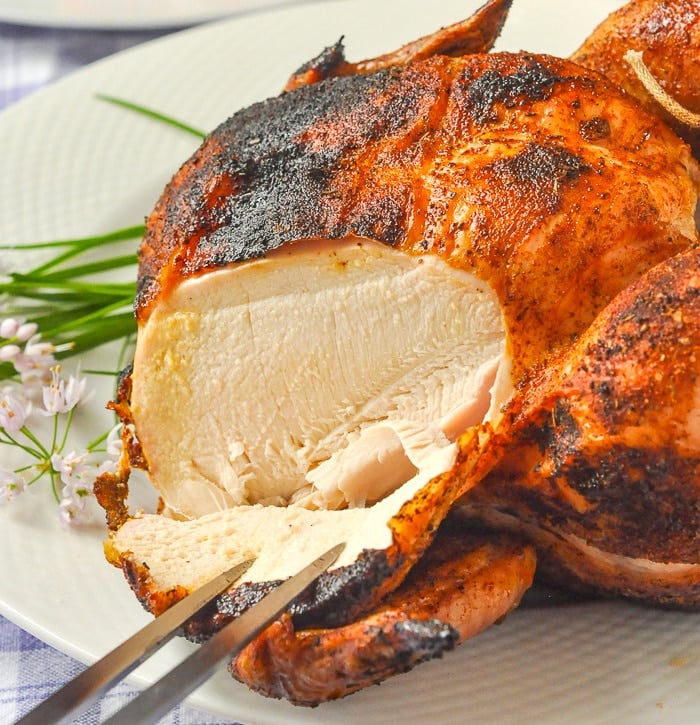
539,176
599,458
461,586
476,34
668,35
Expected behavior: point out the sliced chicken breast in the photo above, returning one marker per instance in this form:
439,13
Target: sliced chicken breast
324,375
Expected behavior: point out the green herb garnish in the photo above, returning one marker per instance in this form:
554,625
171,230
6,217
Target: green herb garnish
64,306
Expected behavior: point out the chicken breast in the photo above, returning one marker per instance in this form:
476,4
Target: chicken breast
493,163
318,409
598,460
164,558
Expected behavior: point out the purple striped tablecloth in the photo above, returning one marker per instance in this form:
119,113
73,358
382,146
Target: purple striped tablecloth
31,670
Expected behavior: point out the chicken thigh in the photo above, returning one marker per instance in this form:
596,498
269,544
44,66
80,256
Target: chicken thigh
598,458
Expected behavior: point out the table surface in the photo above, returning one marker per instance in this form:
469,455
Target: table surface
30,670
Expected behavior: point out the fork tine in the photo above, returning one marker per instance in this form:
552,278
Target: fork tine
198,667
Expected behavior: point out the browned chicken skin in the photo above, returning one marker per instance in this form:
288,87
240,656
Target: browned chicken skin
599,458
461,586
668,35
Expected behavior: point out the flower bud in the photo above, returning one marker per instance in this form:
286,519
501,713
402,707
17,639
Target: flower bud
26,331
8,328
9,352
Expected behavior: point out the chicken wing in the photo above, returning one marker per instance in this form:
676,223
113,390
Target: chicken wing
461,586
476,34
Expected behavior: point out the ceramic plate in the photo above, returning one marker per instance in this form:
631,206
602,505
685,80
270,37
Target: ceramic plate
124,14
73,166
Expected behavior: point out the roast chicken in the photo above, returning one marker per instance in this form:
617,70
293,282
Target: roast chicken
350,299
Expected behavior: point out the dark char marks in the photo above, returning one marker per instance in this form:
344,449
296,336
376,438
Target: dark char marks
285,157
531,82
320,605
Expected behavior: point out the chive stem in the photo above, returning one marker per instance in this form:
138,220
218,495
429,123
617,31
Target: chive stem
103,265
151,113
118,235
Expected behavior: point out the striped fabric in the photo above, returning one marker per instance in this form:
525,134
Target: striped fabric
30,671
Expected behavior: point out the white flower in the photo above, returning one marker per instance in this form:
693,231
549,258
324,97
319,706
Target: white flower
11,485
107,466
78,478
60,395
8,328
21,331
26,331
40,379
71,466
35,362
8,353
71,509
14,410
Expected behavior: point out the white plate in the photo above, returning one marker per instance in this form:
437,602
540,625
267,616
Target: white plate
124,14
74,166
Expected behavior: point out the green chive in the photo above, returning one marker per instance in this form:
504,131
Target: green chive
151,113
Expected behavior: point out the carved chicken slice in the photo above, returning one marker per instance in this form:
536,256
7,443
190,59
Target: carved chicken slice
598,460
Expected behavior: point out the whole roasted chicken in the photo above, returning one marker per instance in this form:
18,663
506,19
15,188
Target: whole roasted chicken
349,300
